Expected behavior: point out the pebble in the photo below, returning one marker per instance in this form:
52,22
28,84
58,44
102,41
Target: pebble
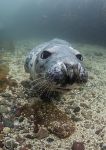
24,148
1,117
16,123
84,105
30,136
78,146
21,119
8,123
87,124
98,131
3,109
75,118
1,137
6,95
73,106
17,112
68,111
86,114
6,130
10,143
1,144
42,133
1,127
50,140
76,109
20,139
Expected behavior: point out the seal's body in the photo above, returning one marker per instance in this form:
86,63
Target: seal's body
54,65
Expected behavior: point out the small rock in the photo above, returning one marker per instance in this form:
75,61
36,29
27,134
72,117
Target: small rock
1,127
13,109
78,146
76,109
1,137
3,109
16,123
1,144
1,117
17,112
50,140
71,102
6,95
42,133
10,143
36,128
86,114
30,136
29,146
84,105
98,131
87,124
6,130
68,111
8,123
74,105
21,118
24,148
75,118
20,139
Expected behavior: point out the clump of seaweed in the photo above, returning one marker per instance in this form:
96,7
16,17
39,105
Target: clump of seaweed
4,70
48,115
4,79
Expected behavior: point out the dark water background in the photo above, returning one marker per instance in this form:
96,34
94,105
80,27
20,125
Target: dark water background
81,20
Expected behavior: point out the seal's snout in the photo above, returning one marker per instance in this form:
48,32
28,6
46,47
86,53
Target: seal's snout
75,73
67,73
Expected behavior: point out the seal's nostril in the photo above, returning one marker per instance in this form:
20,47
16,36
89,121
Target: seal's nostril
84,77
68,66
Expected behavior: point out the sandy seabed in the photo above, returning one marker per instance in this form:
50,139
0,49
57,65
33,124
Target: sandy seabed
90,98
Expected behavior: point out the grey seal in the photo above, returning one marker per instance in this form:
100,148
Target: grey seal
53,66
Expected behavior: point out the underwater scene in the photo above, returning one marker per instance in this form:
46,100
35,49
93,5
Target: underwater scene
53,75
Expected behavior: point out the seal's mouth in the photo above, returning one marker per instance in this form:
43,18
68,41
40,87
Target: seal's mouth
67,83
68,87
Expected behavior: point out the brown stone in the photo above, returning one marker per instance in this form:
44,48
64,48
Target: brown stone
1,127
78,146
42,133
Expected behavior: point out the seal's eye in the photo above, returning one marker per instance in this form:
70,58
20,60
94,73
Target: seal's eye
45,54
79,56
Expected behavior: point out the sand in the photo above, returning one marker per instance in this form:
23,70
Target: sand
90,121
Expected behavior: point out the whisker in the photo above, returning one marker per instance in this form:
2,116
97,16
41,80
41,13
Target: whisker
41,85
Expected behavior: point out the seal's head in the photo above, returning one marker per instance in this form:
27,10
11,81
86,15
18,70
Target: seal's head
57,66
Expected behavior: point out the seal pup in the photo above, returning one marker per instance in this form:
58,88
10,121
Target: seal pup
53,67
